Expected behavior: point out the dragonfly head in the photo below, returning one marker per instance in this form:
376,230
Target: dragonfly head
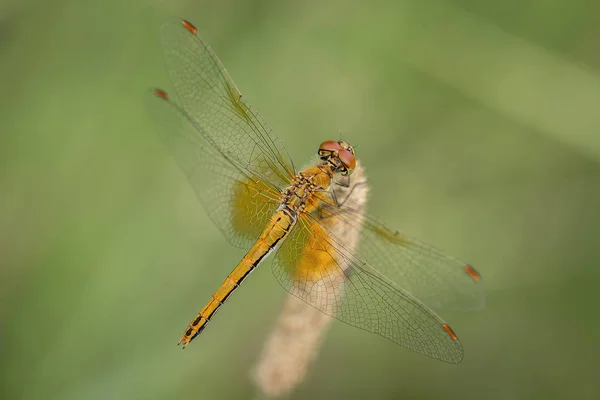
339,155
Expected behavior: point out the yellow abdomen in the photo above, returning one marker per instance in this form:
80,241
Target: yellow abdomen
276,230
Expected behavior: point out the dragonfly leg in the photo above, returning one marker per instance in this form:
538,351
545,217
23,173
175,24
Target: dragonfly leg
341,183
341,203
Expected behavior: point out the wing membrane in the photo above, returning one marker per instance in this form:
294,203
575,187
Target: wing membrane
208,95
239,203
439,280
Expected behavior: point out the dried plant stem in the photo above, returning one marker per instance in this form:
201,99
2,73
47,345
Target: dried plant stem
295,340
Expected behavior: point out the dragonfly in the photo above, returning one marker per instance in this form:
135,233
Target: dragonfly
246,181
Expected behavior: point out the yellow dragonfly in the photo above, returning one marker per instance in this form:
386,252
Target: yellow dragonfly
251,190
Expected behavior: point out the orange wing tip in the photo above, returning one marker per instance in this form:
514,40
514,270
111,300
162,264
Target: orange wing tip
472,272
188,25
449,331
161,93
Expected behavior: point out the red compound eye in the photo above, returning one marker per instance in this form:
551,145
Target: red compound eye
348,159
330,145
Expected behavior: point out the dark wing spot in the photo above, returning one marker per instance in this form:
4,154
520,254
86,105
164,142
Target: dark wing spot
472,272
188,25
161,93
450,332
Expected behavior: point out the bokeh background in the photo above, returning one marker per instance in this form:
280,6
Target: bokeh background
478,123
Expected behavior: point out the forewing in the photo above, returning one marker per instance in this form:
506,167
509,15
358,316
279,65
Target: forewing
319,269
239,203
211,99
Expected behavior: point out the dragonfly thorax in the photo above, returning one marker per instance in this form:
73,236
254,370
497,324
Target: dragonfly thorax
302,194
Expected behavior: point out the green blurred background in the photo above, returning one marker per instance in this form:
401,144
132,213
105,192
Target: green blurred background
478,123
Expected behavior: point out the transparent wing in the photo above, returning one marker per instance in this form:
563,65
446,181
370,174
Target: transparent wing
435,278
319,269
239,203
210,98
